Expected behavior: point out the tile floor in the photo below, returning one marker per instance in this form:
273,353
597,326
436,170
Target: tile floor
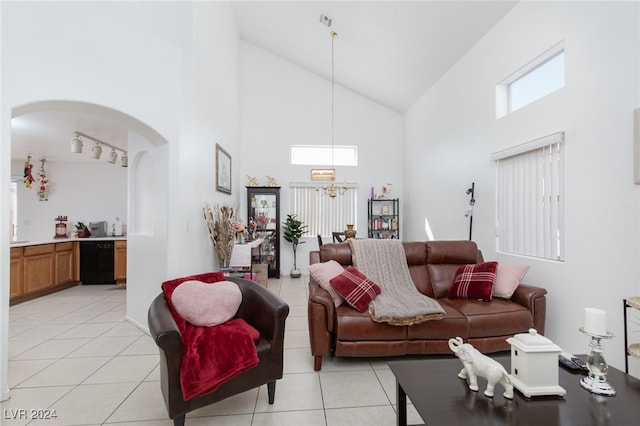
73,352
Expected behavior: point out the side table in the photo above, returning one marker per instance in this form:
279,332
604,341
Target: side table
630,349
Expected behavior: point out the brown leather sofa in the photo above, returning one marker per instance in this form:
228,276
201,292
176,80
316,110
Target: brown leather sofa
262,309
345,332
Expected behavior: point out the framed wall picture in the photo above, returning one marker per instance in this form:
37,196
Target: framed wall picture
223,170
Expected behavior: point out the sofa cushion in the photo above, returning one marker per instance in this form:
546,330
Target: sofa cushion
358,290
496,318
453,324
207,304
508,279
352,325
474,281
323,273
444,258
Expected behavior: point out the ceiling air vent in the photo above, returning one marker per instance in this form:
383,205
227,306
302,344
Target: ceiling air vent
325,20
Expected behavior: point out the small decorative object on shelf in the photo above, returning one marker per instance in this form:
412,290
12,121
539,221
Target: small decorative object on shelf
252,181
476,364
595,326
386,189
271,181
241,232
61,227
534,364
350,232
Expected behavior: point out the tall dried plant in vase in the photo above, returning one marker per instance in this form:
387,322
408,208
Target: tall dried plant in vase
221,226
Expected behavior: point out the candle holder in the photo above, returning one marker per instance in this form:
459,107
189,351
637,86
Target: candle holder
596,381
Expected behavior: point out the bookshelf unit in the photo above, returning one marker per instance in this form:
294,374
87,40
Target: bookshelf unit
384,218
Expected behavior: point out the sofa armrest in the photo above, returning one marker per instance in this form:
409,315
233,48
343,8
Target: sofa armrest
534,299
163,328
320,314
320,296
262,309
166,335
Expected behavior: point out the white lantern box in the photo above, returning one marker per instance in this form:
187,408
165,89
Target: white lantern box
534,364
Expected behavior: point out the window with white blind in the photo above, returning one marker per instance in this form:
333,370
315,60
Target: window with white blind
321,213
529,198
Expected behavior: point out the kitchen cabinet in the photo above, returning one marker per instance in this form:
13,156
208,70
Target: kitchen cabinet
40,269
65,272
120,261
16,270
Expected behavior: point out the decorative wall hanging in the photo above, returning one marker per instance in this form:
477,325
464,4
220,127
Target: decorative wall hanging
223,170
43,186
323,174
28,176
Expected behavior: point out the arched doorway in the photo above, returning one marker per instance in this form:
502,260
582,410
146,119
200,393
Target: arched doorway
147,240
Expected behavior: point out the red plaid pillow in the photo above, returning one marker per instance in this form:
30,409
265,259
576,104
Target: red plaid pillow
474,281
357,290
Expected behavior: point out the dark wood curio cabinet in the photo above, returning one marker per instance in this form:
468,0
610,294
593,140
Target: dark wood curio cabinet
263,207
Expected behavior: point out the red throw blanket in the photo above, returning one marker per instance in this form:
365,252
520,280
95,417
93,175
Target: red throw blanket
211,355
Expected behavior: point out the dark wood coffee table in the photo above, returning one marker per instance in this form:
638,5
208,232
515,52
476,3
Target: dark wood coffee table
442,399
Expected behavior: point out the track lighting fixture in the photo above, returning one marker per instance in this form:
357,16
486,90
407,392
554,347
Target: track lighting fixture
96,150
113,156
76,144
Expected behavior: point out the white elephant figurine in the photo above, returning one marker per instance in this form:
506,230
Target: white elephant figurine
477,364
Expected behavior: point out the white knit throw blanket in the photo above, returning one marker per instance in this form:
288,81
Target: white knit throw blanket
400,303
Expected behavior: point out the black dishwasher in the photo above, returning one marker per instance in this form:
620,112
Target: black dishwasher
96,262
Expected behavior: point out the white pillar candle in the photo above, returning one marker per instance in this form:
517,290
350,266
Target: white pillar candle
595,321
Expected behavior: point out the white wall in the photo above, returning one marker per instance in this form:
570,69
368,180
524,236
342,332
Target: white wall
451,132
283,104
168,68
210,114
85,192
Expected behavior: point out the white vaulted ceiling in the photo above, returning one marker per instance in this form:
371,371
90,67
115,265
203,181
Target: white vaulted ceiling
388,51
391,52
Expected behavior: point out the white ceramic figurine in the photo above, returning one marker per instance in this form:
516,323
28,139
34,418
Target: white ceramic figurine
477,364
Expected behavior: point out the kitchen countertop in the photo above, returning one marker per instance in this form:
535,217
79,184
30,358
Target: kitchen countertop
64,240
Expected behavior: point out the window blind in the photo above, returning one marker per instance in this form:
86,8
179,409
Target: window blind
321,213
529,204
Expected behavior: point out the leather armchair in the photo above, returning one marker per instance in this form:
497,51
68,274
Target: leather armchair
262,309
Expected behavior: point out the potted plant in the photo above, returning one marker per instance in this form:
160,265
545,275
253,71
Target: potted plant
292,231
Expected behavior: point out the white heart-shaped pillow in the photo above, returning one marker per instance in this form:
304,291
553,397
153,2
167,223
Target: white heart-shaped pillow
207,304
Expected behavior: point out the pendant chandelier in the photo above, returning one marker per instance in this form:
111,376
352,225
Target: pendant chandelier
332,190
